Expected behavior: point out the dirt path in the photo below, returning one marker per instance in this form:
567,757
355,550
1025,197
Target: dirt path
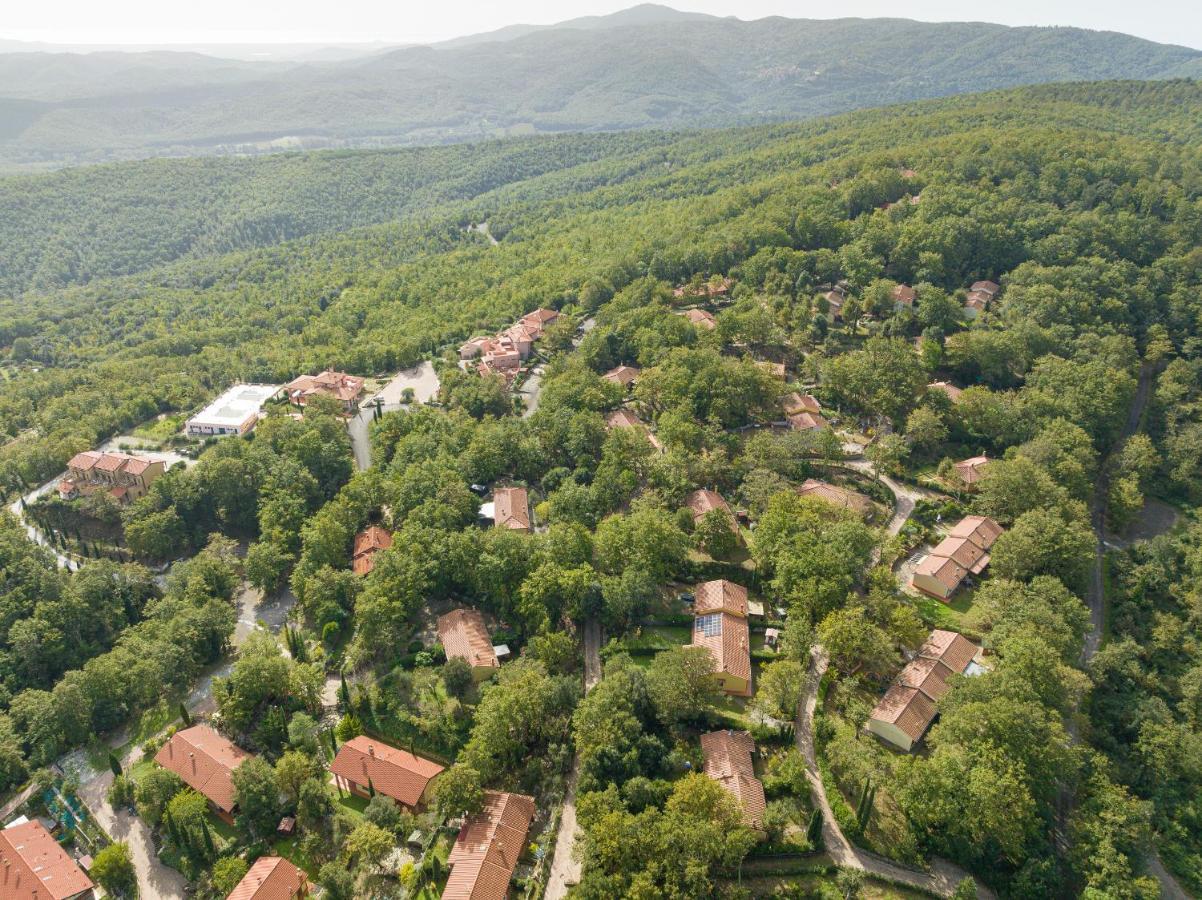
565,867
943,878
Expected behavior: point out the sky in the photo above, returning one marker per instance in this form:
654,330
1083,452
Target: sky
407,21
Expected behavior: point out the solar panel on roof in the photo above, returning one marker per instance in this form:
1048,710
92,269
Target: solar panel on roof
709,625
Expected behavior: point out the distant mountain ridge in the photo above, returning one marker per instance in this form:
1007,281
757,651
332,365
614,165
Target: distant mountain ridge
646,67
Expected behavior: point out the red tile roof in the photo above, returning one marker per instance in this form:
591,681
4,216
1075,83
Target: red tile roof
701,319
703,501
798,403
464,636
368,543
488,847
720,595
511,508
807,421
85,460
270,878
205,761
907,708
970,470
334,384
727,759
730,645
904,294
986,287
623,375
394,773
835,495
981,530
954,650
32,864
950,390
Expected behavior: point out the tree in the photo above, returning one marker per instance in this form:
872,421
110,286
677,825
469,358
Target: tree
258,797
681,684
336,881
292,770
715,534
155,790
368,844
115,765
881,380
780,687
314,805
226,873
458,791
267,566
926,429
384,812
646,539
1044,542
113,869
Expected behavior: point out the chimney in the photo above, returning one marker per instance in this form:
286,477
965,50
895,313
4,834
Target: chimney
371,750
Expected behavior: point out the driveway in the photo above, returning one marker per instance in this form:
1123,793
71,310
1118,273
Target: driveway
565,867
941,880
424,381
156,880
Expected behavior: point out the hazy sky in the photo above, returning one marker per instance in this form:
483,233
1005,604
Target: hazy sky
403,21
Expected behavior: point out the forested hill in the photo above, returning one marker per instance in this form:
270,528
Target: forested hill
661,71
81,224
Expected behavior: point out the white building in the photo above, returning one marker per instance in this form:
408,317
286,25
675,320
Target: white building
234,412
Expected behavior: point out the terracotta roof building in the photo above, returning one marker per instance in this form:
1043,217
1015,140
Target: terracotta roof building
964,552
799,403
205,761
271,878
836,496
908,708
904,295
947,389
834,302
807,421
34,867
704,290
121,475
464,636
511,509
488,848
727,758
720,625
991,288
623,375
342,387
720,596
704,501
969,471
363,763
624,418
368,543
701,319
536,322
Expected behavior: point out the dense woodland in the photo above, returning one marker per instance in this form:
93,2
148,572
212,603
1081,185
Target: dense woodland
1044,777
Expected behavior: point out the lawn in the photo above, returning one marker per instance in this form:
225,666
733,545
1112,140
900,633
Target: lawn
351,805
151,722
944,615
289,848
160,429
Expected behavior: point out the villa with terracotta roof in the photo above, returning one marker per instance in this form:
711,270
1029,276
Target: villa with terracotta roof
368,543
946,388
342,387
364,764
796,403
720,625
624,418
727,758
488,847
834,302
124,477
623,375
991,288
464,636
205,761
271,878
34,867
807,421
538,320
908,708
707,289
704,501
904,296
511,509
964,552
701,319
836,496
969,471
504,354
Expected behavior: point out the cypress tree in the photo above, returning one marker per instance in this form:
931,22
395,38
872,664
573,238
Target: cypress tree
183,715
344,693
172,831
210,850
115,765
371,788
814,830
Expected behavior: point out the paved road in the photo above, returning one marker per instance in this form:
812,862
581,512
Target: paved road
565,867
33,532
424,381
156,880
943,878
